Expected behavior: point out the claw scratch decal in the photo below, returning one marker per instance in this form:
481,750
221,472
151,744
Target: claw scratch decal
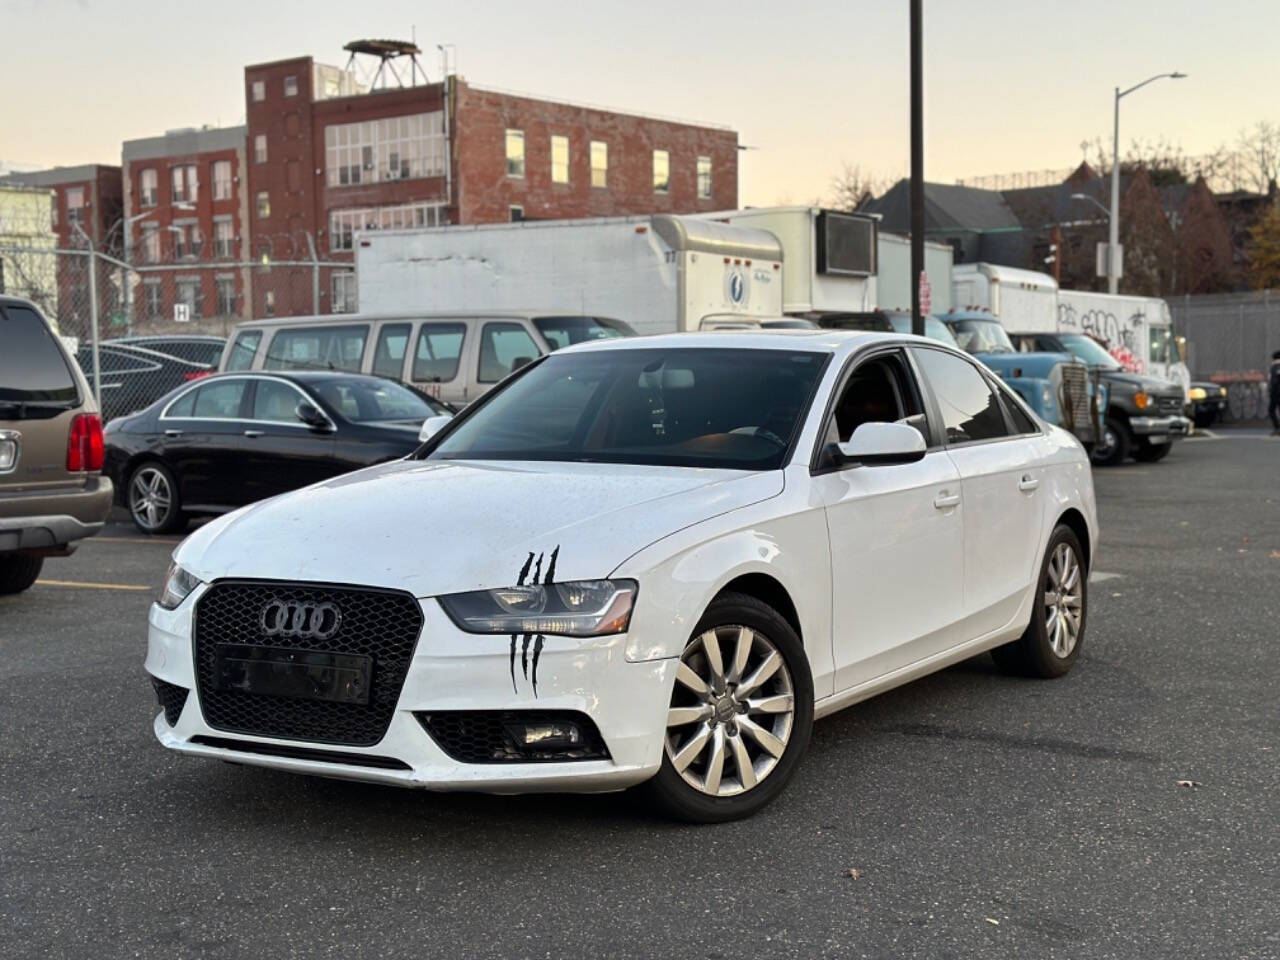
535,639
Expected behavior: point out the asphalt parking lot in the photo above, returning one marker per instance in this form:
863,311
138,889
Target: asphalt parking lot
982,814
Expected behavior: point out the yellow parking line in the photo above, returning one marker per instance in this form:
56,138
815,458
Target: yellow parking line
132,540
91,586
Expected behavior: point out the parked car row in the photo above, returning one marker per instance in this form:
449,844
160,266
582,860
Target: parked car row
137,371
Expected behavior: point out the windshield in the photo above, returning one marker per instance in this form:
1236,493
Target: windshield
369,401
934,328
673,406
1163,345
1089,350
561,332
981,336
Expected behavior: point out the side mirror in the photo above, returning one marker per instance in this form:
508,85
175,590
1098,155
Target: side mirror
310,414
881,444
433,425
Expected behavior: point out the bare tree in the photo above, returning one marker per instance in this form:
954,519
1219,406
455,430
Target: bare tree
1258,150
853,186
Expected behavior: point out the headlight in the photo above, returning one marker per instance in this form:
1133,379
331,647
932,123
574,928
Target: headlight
178,584
576,608
1141,400
1222,391
1197,393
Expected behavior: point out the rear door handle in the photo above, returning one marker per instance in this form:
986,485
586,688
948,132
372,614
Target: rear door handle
1028,483
253,433
173,433
945,500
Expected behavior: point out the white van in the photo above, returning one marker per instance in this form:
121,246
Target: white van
453,356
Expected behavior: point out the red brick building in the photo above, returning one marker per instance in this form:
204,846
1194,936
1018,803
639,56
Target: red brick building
185,202
328,157
89,197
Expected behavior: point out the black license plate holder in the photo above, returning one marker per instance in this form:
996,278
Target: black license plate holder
298,674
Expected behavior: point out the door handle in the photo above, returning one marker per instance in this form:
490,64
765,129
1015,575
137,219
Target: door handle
173,433
1028,483
945,500
253,433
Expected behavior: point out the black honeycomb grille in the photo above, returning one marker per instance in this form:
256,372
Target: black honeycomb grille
172,699
1169,405
485,736
380,624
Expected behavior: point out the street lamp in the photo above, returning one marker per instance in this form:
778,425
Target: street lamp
1113,277
1085,196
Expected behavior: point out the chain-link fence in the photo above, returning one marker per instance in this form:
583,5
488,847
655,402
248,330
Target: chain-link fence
1230,339
164,307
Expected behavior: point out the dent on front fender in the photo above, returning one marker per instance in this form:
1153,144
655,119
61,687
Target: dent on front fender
681,575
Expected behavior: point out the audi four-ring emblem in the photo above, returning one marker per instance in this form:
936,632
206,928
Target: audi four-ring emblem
300,618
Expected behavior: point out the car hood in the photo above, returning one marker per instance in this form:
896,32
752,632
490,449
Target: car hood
433,527
1139,382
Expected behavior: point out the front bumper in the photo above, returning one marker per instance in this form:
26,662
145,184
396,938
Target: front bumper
452,670
1160,427
45,519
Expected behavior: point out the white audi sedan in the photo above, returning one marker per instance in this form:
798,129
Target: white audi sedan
655,560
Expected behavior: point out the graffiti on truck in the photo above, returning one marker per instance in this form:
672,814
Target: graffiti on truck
1119,336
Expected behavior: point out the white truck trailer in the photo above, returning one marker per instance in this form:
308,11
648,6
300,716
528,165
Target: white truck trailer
659,274
1022,300
1138,331
893,274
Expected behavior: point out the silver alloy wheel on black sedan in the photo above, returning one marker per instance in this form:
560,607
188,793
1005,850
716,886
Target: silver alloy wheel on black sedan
153,499
730,716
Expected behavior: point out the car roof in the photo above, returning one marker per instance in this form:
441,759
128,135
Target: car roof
198,337
822,341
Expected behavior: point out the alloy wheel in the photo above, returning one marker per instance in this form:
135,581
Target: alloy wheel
731,716
150,498
1063,600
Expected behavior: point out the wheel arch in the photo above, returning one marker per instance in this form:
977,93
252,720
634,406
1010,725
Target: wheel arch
768,590
1075,521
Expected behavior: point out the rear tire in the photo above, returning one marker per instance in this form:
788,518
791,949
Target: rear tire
1051,644
1113,446
738,737
18,571
152,496
1152,452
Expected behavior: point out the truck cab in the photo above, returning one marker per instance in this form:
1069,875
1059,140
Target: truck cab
1055,385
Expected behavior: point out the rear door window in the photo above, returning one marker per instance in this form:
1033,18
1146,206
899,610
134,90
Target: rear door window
220,400
244,349
32,365
388,356
317,348
504,347
438,352
970,410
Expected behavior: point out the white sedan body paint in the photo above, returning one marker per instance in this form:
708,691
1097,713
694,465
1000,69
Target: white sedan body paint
893,571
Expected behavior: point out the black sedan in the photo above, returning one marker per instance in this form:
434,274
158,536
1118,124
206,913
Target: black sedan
231,439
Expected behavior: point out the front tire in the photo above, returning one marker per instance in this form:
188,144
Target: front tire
740,716
1113,447
1152,452
1051,644
153,499
18,571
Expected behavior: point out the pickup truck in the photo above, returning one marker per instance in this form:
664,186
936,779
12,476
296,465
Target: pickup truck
1054,384
1144,416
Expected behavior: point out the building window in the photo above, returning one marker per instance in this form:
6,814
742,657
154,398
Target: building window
75,205
559,159
515,153
290,86
188,290
343,293
661,171
187,240
264,205
259,91
223,238
344,223
704,178
599,163
260,148
186,184
516,213
269,303
147,188
226,296
150,243
397,148
152,301
222,180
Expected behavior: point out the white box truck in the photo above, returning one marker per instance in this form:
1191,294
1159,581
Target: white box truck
893,274
1138,331
659,274
1024,301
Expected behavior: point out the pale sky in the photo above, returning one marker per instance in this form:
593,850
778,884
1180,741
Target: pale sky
1009,86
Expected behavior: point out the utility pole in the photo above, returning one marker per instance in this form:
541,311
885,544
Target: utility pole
93,314
917,168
